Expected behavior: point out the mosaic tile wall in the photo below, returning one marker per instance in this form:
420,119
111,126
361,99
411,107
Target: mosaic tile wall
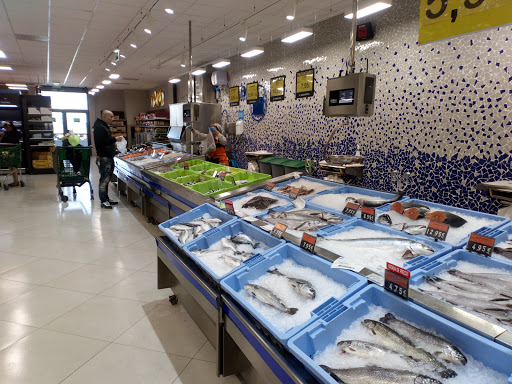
443,110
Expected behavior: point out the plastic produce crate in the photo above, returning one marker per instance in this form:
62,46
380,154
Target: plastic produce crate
294,166
252,178
193,214
178,173
440,248
205,165
330,324
251,271
191,162
363,191
265,166
191,178
499,220
206,186
312,179
230,229
223,168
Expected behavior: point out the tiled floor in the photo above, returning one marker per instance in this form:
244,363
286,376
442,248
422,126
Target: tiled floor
78,297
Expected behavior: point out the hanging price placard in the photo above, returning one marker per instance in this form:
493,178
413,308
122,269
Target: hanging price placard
278,230
277,88
252,93
368,214
229,207
305,83
437,230
350,209
308,242
234,96
396,280
269,186
480,244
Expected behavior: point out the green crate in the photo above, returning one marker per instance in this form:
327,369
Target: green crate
190,178
223,169
191,162
206,165
178,173
252,178
294,166
205,187
10,156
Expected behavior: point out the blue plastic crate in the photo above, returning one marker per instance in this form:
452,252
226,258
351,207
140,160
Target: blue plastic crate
194,214
440,247
346,219
230,229
500,220
236,281
500,235
362,191
276,195
320,181
326,329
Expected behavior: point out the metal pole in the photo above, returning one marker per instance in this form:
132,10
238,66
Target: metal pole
353,34
190,61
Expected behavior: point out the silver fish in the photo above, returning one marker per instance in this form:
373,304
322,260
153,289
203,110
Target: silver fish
377,375
268,297
232,260
442,348
400,344
468,289
242,238
302,287
375,202
180,227
184,236
226,243
366,350
415,229
498,285
212,221
197,231
409,248
399,226
384,219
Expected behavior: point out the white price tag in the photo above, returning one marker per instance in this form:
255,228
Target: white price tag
299,203
375,278
341,263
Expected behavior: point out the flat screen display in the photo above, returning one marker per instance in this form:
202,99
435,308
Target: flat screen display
341,97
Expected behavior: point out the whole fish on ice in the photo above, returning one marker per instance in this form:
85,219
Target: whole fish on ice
302,287
259,202
377,375
268,297
375,202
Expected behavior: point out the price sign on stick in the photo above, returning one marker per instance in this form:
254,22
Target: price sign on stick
269,186
368,214
396,280
350,209
437,230
481,244
308,242
229,207
294,193
278,230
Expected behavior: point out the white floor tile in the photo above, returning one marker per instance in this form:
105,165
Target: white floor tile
10,261
199,371
166,329
41,271
126,258
41,305
102,318
10,289
153,267
129,365
207,353
45,357
12,332
139,286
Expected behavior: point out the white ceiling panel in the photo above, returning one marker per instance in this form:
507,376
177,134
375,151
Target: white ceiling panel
80,5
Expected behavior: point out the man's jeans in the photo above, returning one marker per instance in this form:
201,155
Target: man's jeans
106,168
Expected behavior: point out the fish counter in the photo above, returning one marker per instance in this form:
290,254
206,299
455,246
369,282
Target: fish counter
281,311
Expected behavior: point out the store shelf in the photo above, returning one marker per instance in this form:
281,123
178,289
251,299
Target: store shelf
40,130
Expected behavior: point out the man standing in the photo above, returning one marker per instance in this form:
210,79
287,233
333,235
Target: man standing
105,150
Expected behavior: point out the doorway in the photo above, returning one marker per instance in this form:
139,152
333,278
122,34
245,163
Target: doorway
65,122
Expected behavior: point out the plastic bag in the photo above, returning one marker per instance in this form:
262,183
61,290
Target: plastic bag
253,166
121,145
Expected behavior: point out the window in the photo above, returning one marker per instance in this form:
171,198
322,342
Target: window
68,100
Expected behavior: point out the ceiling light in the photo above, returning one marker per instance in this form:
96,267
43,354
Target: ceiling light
198,71
292,9
297,35
147,30
133,45
19,88
114,76
221,63
16,85
133,39
106,82
174,81
95,90
370,9
3,55
251,52
169,11
147,23
106,69
243,31
123,56
5,68
114,64
100,86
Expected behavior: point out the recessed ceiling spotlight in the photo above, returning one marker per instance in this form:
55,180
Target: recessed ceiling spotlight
292,9
114,76
107,69
379,6
100,86
183,65
243,31
251,52
123,56
113,63
174,81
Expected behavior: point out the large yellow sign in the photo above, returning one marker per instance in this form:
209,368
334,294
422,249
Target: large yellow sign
277,88
305,81
252,93
234,96
440,19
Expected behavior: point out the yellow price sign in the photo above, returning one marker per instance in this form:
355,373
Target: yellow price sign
234,96
305,83
252,93
277,88
440,19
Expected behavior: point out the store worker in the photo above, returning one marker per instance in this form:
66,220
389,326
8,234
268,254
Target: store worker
12,136
219,155
105,150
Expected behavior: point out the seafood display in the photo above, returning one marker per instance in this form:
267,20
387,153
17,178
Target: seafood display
484,291
375,201
303,191
382,348
191,230
503,249
306,187
258,202
268,297
303,220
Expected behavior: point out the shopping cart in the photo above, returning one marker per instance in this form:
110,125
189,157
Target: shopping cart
10,156
72,165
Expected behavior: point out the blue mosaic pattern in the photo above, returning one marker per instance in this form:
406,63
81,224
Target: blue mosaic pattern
443,110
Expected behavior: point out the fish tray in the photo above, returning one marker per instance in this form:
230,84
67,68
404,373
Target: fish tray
440,248
500,235
172,175
223,168
323,332
206,186
190,178
312,179
252,178
236,281
193,214
273,194
205,165
191,162
229,229
500,220
361,191
346,219
449,261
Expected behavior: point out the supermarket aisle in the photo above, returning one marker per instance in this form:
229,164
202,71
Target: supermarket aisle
78,297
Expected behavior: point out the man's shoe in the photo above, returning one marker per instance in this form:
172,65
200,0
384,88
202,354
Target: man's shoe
106,205
113,202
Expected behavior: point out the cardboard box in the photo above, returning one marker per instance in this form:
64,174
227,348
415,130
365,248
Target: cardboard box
40,164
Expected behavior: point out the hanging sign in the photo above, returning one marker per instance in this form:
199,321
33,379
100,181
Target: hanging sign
305,81
440,19
277,88
234,96
252,93
481,244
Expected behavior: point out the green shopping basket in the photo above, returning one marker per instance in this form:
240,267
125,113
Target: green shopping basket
10,156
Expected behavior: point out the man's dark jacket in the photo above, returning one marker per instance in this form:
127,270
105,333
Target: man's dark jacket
105,143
